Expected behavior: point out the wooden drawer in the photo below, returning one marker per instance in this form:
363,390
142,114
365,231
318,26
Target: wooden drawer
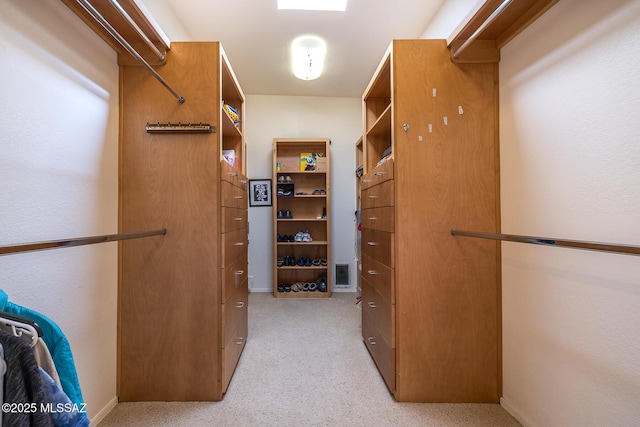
378,196
232,351
234,310
378,245
380,276
232,175
233,276
233,219
382,173
381,311
379,218
234,246
383,355
232,196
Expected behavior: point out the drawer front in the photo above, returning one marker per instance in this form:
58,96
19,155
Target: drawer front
232,351
382,173
233,219
378,245
380,311
233,276
383,355
232,175
379,218
378,196
380,276
233,311
234,246
232,196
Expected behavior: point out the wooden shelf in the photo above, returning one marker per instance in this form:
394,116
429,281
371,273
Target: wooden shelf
494,35
305,208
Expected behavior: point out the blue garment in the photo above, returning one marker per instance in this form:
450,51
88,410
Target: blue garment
57,344
65,414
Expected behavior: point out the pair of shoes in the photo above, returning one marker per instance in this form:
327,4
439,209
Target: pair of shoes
319,191
280,261
321,284
284,214
310,287
303,237
319,261
301,193
297,287
283,179
285,238
288,261
283,193
304,262
284,287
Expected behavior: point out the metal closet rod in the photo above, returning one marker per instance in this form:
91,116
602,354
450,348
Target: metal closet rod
135,26
105,24
481,28
547,241
77,241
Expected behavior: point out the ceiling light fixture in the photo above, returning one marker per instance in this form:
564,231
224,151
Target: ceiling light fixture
333,5
307,57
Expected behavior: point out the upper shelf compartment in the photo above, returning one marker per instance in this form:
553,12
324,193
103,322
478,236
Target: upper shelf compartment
491,25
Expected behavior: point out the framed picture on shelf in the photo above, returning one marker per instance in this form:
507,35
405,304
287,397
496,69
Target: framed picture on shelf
260,192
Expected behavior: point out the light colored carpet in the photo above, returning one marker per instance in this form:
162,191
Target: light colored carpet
305,364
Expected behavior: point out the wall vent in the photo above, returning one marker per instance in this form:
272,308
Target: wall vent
342,275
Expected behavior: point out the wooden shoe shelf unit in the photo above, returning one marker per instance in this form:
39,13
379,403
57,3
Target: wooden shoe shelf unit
301,189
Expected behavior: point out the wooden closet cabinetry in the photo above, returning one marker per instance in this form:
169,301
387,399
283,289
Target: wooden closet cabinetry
182,299
431,302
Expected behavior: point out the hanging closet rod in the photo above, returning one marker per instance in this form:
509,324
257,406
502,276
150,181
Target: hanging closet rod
98,17
575,244
481,28
135,26
79,241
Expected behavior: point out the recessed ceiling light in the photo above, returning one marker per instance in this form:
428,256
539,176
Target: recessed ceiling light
337,5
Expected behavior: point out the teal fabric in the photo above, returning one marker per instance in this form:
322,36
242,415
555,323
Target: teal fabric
57,344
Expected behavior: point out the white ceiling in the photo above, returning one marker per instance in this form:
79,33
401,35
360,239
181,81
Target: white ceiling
256,37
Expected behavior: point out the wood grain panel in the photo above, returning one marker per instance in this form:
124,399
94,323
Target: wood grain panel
234,311
382,354
379,195
379,218
447,290
233,219
233,276
380,276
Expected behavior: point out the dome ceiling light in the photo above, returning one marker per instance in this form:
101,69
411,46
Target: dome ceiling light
307,57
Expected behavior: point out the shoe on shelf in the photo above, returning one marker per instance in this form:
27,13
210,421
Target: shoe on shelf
316,262
288,179
321,283
300,262
323,262
297,287
287,214
298,237
280,261
280,287
281,179
280,214
287,287
306,237
313,287
307,262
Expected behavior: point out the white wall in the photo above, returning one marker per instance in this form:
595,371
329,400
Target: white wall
59,179
339,119
570,165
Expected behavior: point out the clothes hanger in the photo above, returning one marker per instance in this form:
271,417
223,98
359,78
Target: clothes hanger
18,325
